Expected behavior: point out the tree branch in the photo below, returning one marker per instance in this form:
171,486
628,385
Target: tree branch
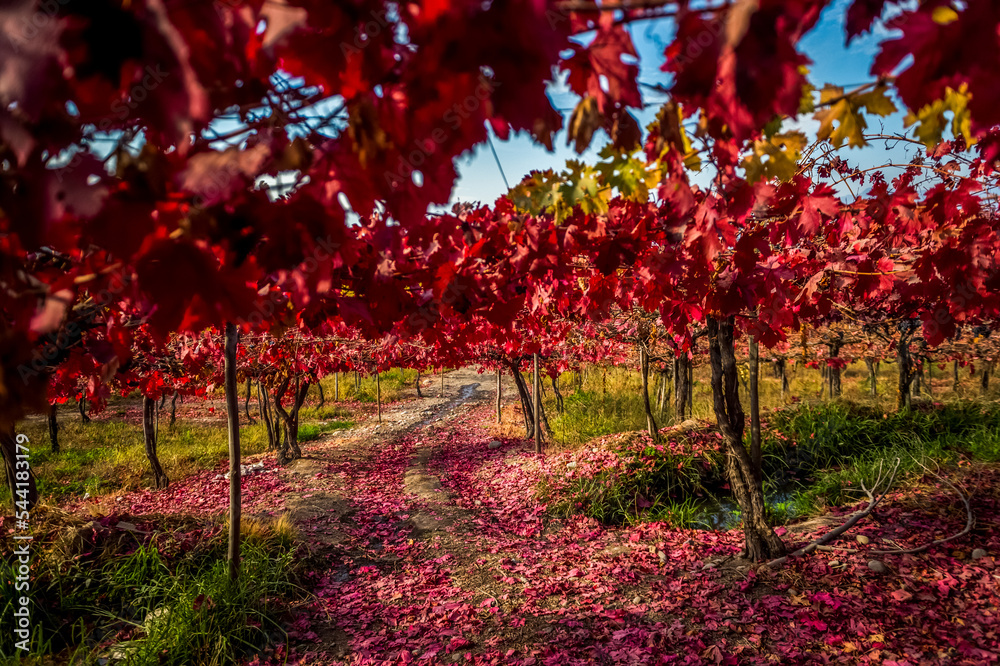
873,501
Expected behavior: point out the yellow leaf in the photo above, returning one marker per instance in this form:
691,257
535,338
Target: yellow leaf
944,15
536,192
875,102
584,121
670,132
846,112
830,93
930,121
850,125
806,103
777,157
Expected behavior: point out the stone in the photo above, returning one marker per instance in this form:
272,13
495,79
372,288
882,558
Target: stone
156,617
121,652
571,465
834,563
877,567
978,554
862,539
494,444
128,527
636,599
662,556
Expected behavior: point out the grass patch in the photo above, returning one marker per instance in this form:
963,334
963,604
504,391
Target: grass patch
610,398
394,384
167,600
312,431
638,481
591,414
814,456
328,412
108,455
838,445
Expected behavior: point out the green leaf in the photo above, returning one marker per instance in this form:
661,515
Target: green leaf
630,176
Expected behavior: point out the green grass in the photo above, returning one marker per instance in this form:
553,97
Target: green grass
591,414
164,602
107,455
840,445
611,398
650,485
815,454
331,411
394,385
311,431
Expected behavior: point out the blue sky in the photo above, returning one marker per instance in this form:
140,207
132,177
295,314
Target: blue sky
479,177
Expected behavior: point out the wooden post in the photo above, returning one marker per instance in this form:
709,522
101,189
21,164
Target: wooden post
755,403
690,391
537,409
53,428
233,418
644,373
930,375
499,377
85,418
905,366
872,378
441,372
246,401
378,394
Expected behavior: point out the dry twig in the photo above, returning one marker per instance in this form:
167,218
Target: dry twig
873,501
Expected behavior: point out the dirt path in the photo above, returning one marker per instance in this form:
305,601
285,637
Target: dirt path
326,501
421,557
433,411
430,545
